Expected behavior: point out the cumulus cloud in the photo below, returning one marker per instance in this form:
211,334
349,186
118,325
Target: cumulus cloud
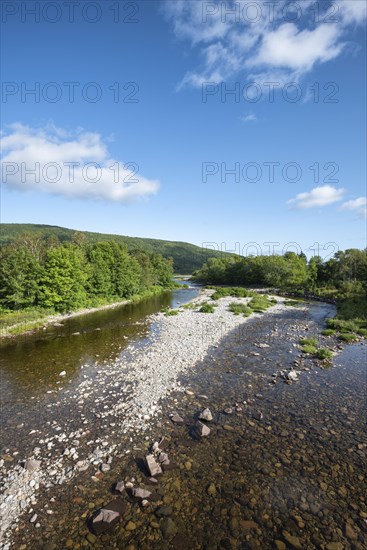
319,196
356,205
252,39
71,164
297,50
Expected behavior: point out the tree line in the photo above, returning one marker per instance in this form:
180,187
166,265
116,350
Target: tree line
343,275
45,273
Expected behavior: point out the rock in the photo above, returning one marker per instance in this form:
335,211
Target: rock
137,492
293,541
163,459
292,375
120,487
130,526
206,415
33,518
248,524
164,511
188,465
201,430
228,428
350,533
32,465
211,490
279,545
189,392
105,515
176,418
105,468
153,467
228,411
62,373
91,538
105,518
334,546
168,528
82,465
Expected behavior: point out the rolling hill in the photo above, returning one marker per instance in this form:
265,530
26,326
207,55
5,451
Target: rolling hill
186,257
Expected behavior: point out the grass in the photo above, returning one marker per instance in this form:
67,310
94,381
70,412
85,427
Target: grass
347,337
190,305
168,312
293,303
240,309
324,354
234,291
261,303
207,308
328,332
308,341
309,348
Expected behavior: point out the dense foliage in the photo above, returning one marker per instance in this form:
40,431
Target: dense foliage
186,257
343,277
45,273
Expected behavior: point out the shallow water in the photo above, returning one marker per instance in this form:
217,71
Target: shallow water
288,465
30,365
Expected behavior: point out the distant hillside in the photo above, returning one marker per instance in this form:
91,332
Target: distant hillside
186,257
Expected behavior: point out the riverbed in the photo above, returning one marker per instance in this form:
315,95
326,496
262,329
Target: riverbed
286,460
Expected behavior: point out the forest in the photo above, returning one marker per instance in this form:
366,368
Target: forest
47,274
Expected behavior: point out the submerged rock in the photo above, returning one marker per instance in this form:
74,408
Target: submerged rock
206,415
168,528
120,487
201,430
105,518
176,418
32,465
153,467
137,492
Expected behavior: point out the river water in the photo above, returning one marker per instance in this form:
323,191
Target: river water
284,468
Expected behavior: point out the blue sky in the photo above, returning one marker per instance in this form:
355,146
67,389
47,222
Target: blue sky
150,97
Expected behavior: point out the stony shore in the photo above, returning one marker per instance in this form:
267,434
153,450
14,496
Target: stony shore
119,399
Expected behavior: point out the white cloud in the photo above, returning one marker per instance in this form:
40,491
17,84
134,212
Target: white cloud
71,164
249,118
319,196
287,47
270,44
357,205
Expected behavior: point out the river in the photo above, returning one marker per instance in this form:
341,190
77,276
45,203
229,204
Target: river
283,467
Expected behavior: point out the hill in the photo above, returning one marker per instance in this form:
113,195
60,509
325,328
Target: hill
186,257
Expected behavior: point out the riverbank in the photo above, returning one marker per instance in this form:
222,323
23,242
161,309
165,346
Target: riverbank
35,320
